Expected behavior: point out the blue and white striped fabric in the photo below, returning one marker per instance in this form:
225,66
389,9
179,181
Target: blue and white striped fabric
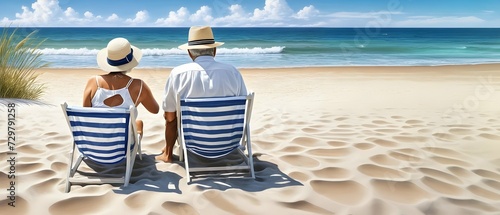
213,128
100,134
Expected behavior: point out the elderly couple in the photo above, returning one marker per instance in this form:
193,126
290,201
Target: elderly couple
205,77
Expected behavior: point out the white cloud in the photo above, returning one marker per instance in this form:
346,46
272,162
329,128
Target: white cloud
202,16
70,13
113,18
182,17
273,10
446,21
88,15
49,13
272,13
41,12
140,17
175,18
307,12
362,15
237,17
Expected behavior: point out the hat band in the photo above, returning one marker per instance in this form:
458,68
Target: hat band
122,61
201,42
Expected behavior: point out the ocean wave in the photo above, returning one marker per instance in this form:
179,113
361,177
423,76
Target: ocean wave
164,52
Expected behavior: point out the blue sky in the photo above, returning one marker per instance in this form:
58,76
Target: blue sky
246,13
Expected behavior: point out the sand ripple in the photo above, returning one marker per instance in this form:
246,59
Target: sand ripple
352,192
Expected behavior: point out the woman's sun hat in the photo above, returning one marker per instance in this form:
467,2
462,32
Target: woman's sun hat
200,37
119,55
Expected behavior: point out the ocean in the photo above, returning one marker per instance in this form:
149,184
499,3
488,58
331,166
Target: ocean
281,47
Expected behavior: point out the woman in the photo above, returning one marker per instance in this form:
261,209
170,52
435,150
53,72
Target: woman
117,89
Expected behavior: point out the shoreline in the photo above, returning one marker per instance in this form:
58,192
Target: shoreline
488,65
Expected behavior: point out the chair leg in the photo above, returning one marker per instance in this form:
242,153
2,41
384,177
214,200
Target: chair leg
68,187
77,164
186,163
139,137
68,184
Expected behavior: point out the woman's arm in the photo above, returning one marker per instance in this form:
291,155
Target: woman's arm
87,93
147,99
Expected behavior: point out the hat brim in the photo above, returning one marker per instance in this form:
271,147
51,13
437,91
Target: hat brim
186,46
102,61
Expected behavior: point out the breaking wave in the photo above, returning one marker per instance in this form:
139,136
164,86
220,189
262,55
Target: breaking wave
164,52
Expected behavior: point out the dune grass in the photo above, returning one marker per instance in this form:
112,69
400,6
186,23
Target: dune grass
19,59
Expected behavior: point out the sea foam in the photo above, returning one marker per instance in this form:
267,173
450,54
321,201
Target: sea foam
164,52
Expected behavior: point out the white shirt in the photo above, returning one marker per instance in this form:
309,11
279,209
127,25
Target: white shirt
205,77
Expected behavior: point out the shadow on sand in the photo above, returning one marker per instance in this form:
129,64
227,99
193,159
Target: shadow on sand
267,176
145,176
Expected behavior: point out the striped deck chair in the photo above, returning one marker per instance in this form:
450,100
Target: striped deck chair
107,136
213,128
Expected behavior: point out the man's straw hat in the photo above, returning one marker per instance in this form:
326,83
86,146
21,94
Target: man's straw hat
200,37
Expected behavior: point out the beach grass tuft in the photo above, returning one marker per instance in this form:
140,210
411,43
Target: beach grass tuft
19,59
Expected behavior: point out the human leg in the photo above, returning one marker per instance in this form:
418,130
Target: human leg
170,138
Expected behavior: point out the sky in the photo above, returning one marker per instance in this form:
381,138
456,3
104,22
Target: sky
250,13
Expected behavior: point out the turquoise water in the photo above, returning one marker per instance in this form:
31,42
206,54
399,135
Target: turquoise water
282,47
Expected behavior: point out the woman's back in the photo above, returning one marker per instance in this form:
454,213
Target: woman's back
111,92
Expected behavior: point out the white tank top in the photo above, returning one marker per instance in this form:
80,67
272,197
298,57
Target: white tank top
102,94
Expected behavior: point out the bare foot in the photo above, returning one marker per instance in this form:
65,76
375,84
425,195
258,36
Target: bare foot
164,157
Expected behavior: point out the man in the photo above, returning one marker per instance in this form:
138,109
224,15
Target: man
204,77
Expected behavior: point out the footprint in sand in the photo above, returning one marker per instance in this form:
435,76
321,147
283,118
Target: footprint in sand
384,173
385,160
461,131
492,184
341,118
352,193
335,143
446,153
489,136
387,130
21,204
434,173
300,161
380,122
444,136
442,187
410,139
450,161
474,204
333,173
178,207
299,176
265,144
485,193
382,142
487,174
414,122
337,152
46,186
364,146
92,204
405,192
306,207
306,141
292,149
404,157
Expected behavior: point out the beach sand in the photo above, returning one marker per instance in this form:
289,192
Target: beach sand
339,140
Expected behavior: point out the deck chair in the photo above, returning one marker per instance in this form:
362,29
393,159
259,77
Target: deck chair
106,136
213,128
